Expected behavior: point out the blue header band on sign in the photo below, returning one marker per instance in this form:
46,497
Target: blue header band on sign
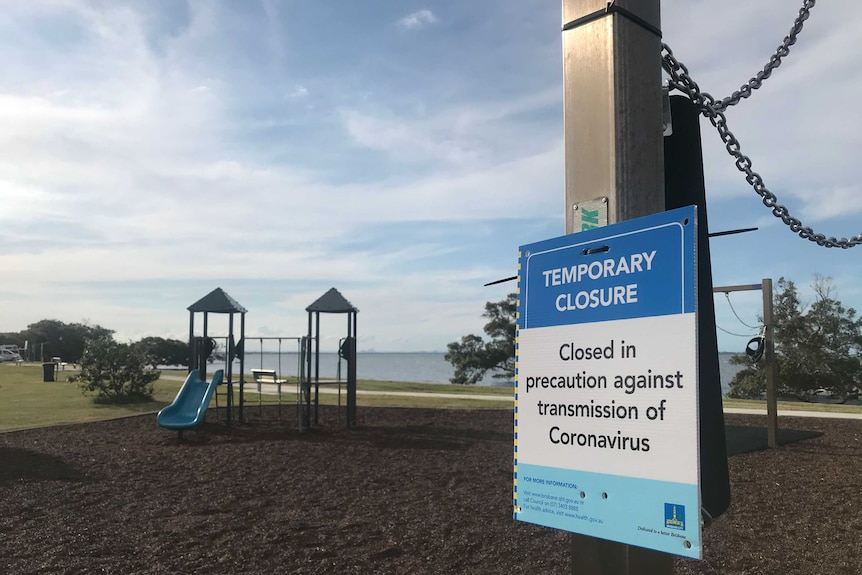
627,270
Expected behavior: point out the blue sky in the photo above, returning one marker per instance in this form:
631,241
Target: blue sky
151,151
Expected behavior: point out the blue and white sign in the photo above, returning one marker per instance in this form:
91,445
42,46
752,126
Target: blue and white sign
606,416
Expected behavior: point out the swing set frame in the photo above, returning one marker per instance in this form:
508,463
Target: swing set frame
765,286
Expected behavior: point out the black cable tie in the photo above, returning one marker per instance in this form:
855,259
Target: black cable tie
495,282
611,8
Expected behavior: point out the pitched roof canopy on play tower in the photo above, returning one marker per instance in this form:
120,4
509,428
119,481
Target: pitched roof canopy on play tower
332,302
217,301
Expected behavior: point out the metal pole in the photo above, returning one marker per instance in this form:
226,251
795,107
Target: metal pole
743,287
684,186
202,360
614,163
769,353
316,367
612,110
241,355
351,369
192,347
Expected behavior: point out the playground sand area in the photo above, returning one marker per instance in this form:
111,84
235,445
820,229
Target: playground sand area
407,491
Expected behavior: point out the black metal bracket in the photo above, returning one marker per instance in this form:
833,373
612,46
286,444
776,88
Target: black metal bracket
612,8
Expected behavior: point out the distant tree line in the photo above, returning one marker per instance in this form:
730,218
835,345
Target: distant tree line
50,338
115,372
125,372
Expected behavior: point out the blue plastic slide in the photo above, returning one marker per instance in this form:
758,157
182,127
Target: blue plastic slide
190,404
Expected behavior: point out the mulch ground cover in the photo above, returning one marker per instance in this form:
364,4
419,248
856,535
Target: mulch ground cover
410,491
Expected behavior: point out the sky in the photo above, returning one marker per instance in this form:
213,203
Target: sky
400,151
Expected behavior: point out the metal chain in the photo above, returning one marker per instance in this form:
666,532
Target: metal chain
774,61
682,81
727,296
718,327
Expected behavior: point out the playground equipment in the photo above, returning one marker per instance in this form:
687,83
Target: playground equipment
190,405
764,348
284,366
756,347
217,301
330,302
203,348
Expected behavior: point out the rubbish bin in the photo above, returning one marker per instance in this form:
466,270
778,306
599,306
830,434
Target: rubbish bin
48,371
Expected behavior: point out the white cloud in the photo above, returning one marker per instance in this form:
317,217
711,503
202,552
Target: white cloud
417,20
822,204
298,92
474,134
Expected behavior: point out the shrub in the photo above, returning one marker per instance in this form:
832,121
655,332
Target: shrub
116,372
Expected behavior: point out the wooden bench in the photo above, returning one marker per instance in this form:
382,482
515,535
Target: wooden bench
266,376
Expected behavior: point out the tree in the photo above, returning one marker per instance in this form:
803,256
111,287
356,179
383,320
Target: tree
54,338
473,357
165,351
816,347
116,372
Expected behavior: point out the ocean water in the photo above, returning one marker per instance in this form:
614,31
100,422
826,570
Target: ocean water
427,367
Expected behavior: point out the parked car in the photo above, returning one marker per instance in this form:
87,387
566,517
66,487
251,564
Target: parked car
9,355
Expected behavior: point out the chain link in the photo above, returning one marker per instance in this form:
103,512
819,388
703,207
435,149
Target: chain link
681,80
774,60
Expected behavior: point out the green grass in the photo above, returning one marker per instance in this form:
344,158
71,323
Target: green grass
26,401
793,406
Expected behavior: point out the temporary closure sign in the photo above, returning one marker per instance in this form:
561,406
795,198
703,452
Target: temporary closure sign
606,417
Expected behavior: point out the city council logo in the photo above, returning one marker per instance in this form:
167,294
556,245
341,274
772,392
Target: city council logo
674,516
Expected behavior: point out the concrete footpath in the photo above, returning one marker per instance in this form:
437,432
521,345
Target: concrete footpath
796,413
272,389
